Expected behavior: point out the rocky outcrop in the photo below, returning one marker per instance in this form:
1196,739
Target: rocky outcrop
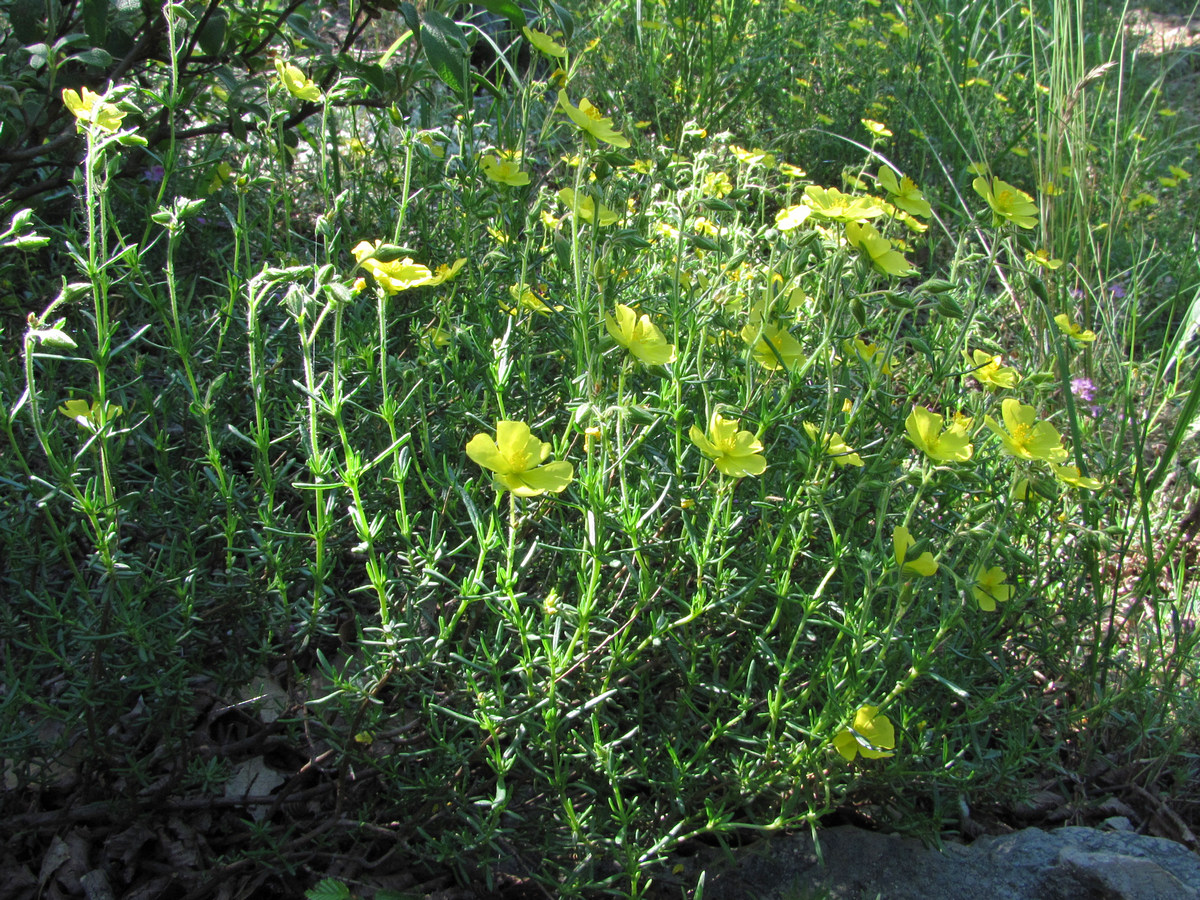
1064,864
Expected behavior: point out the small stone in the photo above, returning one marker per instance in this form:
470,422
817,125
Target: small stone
1114,807
1117,823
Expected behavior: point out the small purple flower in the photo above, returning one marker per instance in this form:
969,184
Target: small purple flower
1076,293
1118,290
154,174
1085,392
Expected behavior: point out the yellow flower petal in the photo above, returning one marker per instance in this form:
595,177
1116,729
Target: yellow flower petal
639,336
516,457
544,43
872,735
925,430
735,453
989,588
590,120
1009,204
297,83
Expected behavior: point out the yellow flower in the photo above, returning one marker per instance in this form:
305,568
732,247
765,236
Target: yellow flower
393,275
877,249
904,193
524,298
544,43
516,457
834,445
438,337
89,416
772,346
1041,257
755,157
91,109
832,204
589,120
792,216
925,431
872,735
221,176
987,370
988,588
1073,331
924,564
1007,202
1070,475
1024,437
639,336
297,84
585,207
444,273
716,184
877,129
431,144
736,453
1142,199
504,168
869,354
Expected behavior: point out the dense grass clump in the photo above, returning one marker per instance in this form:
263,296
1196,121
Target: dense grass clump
695,423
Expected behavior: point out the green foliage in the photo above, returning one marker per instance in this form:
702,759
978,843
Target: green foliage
841,481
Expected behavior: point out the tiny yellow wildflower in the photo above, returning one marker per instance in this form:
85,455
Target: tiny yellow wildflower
89,416
516,457
926,433
590,121
544,43
91,108
904,193
1024,437
1073,331
834,445
872,735
392,275
924,564
988,370
1009,204
988,588
639,336
504,167
736,453
297,83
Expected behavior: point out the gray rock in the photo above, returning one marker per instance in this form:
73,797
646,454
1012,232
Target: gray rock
1064,864
1127,877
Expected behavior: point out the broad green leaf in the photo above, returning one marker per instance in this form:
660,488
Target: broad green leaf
506,8
328,889
445,48
567,20
94,57
411,17
211,37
